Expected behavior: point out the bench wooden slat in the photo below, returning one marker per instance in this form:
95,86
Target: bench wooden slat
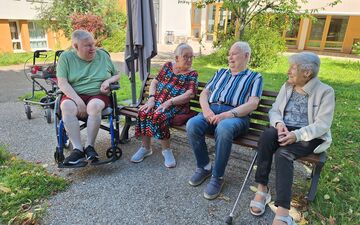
267,102
259,117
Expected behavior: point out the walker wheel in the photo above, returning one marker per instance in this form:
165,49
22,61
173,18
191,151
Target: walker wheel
59,158
28,111
117,151
48,114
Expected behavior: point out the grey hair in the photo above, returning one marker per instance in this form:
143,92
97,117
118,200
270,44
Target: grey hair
306,61
180,48
79,35
243,46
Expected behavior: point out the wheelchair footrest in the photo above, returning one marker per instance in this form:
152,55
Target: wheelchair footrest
78,165
102,162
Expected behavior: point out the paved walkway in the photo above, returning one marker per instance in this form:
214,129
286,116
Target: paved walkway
123,192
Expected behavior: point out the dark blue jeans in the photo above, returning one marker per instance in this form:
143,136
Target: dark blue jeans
284,158
225,132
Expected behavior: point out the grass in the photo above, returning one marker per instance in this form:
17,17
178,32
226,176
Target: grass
7,59
24,187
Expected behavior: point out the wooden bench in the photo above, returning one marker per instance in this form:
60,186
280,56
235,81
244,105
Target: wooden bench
258,123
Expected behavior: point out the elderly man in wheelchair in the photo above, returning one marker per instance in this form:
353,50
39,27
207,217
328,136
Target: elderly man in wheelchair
85,77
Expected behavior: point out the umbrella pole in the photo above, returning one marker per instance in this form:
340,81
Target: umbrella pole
131,62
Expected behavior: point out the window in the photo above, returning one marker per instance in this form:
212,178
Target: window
15,35
38,39
316,32
336,33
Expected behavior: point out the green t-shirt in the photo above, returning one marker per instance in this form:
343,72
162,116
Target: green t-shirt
85,77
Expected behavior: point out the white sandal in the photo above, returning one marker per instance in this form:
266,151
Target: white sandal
287,219
260,204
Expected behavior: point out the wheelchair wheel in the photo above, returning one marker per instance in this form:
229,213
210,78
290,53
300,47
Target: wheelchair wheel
117,152
48,115
59,158
28,111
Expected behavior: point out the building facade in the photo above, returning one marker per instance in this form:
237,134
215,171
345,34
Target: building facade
20,32
335,29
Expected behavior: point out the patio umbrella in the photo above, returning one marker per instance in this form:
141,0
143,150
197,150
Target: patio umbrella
140,40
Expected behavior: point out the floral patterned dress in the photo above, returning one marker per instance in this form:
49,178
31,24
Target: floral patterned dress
157,124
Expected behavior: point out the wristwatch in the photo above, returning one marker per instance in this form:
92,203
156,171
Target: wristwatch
150,96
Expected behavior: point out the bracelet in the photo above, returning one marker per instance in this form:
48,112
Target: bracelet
234,112
150,96
172,101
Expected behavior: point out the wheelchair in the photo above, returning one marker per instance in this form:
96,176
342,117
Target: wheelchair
110,113
47,73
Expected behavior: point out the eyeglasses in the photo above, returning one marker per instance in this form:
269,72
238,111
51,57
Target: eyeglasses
186,57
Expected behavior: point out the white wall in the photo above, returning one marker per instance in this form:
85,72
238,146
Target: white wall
18,10
174,16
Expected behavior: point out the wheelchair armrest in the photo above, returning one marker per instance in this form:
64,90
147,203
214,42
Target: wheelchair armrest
114,86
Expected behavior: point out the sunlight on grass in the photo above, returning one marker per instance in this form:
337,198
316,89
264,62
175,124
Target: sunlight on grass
24,188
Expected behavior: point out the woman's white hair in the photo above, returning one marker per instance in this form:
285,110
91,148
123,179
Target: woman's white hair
79,35
306,61
180,48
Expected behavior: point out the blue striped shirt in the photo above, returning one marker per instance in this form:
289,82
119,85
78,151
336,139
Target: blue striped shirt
236,89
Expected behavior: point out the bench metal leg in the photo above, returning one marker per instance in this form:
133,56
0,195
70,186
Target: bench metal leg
125,131
316,177
314,181
230,217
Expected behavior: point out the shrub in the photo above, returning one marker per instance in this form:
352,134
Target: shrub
266,44
116,42
356,48
263,37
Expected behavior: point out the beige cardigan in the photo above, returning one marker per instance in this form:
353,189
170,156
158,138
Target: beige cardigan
321,105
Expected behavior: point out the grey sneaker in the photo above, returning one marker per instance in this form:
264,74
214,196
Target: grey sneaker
75,157
140,155
169,159
214,187
199,176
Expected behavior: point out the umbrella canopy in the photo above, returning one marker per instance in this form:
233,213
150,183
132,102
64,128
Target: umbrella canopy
140,40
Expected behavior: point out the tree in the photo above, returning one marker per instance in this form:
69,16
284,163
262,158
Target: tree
245,11
101,17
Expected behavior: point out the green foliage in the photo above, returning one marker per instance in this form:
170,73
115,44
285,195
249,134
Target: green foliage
263,37
57,15
266,44
116,41
356,48
24,186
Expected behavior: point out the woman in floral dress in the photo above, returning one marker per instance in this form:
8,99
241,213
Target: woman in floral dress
169,94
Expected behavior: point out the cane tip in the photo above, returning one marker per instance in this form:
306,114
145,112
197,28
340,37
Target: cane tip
229,220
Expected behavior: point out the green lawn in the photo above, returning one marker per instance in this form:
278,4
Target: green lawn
7,59
23,188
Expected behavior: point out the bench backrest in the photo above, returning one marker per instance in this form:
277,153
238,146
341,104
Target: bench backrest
259,118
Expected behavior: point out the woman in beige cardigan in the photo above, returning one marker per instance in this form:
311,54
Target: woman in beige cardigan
300,122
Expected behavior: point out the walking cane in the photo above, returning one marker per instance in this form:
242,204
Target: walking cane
230,217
